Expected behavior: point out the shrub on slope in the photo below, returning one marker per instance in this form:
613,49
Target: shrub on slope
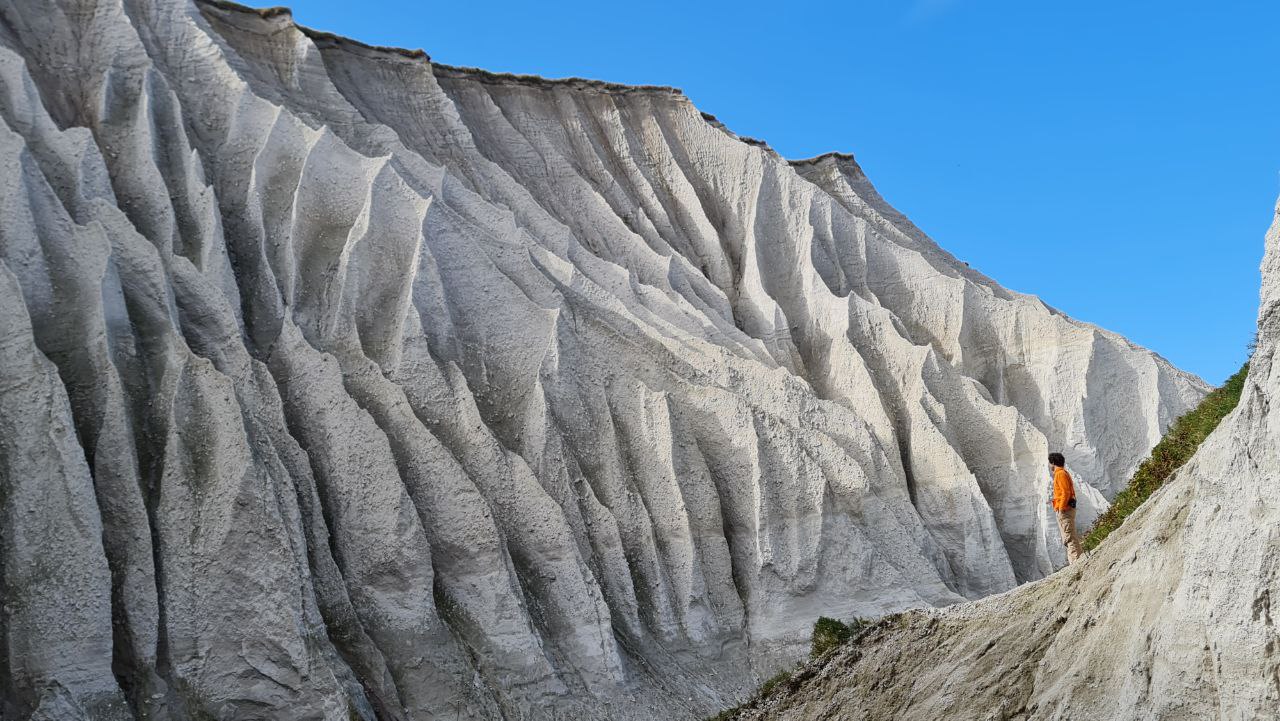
829,633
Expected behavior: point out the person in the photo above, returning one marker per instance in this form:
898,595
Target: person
1064,502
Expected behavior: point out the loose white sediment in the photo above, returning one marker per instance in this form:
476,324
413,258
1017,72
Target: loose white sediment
341,384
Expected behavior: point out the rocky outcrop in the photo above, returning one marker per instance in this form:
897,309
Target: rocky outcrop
1171,617
341,384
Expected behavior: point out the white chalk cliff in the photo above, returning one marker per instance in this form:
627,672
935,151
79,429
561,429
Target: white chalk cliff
335,383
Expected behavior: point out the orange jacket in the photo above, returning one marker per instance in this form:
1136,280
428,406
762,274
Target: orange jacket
1063,489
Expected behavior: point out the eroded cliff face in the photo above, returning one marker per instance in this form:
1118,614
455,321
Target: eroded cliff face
341,384
1171,617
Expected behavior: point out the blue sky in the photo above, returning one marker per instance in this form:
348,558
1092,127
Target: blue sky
1119,159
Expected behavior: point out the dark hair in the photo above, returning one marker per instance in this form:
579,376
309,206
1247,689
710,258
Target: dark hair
1057,459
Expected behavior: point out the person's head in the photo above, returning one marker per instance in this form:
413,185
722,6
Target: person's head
1056,459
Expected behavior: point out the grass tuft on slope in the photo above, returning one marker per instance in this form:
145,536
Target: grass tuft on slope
1175,449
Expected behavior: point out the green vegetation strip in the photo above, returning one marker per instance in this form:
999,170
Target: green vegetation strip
1175,449
829,633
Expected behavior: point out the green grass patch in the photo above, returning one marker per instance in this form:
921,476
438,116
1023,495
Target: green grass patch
762,693
829,633
779,678
1176,448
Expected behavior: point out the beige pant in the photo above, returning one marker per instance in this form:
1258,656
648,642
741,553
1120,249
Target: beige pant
1070,538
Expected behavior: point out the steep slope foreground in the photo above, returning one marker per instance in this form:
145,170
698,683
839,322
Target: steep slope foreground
340,384
1170,617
